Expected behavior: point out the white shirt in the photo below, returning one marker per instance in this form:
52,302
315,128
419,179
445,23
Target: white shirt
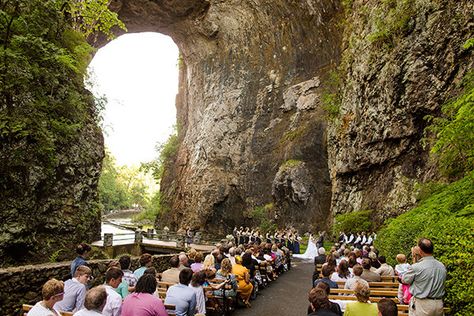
200,299
357,240
364,239
113,306
40,310
86,312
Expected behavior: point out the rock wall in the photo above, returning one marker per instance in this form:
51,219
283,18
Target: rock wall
47,213
22,285
400,63
249,101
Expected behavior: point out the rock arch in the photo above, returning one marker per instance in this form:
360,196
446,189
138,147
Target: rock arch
249,100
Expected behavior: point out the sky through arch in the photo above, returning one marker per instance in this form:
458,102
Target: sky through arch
138,73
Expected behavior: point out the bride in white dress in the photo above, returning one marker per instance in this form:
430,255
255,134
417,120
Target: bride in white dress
311,250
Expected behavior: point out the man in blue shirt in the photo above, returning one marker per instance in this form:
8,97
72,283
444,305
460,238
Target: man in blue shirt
75,291
181,295
326,272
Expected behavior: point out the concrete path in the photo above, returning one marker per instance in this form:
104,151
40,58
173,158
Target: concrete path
287,296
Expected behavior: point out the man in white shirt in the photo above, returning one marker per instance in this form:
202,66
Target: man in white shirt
52,291
94,302
113,306
357,271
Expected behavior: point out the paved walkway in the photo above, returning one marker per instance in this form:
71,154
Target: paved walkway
287,296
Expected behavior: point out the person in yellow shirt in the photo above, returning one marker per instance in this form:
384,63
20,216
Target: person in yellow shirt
242,274
362,307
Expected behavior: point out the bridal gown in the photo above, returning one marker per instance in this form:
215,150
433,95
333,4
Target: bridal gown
311,251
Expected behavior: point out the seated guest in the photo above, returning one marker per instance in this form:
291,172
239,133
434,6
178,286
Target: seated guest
82,251
181,295
374,261
172,274
142,302
197,265
52,292
75,291
368,275
94,302
385,269
128,275
334,307
350,283
113,278
242,275
146,261
320,304
191,255
225,273
326,271
197,281
342,273
183,261
122,289
387,307
361,307
209,263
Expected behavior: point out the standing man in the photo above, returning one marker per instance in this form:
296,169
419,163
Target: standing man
426,278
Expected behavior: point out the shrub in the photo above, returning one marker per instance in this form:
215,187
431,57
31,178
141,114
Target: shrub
352,222
445,218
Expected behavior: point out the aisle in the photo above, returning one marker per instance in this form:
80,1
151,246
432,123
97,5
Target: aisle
288,296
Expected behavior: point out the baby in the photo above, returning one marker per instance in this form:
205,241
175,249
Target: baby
402,265
400,269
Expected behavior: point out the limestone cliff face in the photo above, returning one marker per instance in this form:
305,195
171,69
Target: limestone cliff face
395,72
48,212
249,101
251,126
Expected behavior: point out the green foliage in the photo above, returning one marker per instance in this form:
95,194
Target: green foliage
427,189
331,96
262,216
166,154
55,255
358,221
469,44
291,163
93,17
447,218
151,211
43,104
293,135
121,187
454,132
392,18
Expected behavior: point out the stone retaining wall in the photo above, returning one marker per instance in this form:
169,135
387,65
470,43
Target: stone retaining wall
22,285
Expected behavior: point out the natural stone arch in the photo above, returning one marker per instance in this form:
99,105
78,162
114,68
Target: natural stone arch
241,109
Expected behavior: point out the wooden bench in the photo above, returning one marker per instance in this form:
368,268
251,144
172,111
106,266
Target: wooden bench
170,309
25,308
375,285
373,293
